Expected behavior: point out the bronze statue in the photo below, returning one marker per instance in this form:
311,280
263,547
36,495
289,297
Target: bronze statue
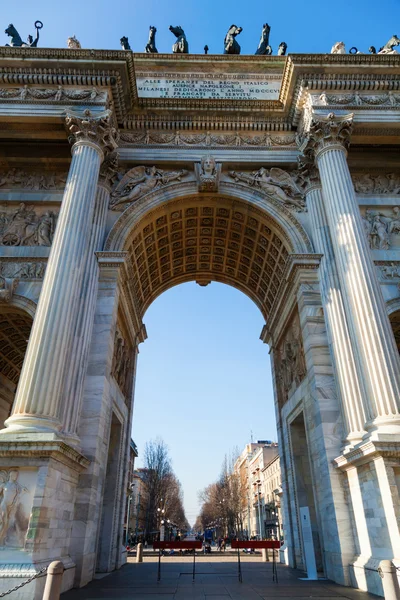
125,43
231,46
16,39
151,44
263,47
388,48
206,49
181,45
282,49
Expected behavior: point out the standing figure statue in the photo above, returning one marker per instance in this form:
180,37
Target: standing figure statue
338,48
125,43
73,43
16,39
181,45
231,46
151,44
282,49
263,47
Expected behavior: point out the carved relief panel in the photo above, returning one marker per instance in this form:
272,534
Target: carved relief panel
122,364
289,359
27,226
17,488
382,227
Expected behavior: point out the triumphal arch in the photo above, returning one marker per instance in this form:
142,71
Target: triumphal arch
124,174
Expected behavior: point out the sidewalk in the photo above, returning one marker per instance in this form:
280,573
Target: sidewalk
214,581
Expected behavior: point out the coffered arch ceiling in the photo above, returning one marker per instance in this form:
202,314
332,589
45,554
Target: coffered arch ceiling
206,239
15,328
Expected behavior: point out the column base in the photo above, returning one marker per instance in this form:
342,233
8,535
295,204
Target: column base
383,429
31,424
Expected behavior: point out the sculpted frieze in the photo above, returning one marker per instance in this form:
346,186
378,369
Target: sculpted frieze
276,184
390,271
366,183
289,360
24,227
206,139
140,181
380,228
56,94
17,178
388,99
22,270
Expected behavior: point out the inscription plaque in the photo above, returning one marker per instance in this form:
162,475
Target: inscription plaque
204,88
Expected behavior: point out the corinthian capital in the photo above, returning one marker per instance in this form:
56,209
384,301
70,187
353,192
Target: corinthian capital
326,133
92,130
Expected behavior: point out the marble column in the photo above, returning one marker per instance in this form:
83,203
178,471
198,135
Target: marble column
73,394
37,407
350,394
372,337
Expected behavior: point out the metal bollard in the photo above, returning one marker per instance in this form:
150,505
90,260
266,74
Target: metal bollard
390,583
54,577
264,554
139,553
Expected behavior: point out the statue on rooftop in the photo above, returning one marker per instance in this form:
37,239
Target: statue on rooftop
263,47
151,44
125,43
73,43
181,45
16,39
282,49
338,48
231,46
388,48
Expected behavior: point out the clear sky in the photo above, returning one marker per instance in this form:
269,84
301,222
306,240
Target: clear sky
204,379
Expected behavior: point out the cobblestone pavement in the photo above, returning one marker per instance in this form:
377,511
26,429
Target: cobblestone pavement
216,579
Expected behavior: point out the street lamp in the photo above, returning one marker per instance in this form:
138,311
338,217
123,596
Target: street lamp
130,498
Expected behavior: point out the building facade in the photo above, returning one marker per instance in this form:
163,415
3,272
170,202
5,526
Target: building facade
272,497
277,175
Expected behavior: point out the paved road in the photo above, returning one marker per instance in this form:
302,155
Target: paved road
215,580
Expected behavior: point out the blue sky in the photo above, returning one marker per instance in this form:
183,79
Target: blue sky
204,378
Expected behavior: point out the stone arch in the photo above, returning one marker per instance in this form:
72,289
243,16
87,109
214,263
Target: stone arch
393,310
16,318
238,236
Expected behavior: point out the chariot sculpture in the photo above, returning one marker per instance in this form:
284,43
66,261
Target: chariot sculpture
16,39
231,46
181,45
151,44
263,47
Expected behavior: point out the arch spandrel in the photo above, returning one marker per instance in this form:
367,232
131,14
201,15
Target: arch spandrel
231,239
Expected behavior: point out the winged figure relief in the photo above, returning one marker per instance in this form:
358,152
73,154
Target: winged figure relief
140,181
275,183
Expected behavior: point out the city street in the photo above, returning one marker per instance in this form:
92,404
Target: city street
215,580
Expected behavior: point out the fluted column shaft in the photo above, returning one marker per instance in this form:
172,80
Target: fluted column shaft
38,402
373,337
337,329
73,395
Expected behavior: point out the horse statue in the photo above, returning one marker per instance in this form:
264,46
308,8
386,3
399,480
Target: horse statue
230,44
282,49
263,47
16,39
181,46
388,48
151,44
125,43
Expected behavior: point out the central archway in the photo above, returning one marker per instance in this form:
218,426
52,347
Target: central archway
239,239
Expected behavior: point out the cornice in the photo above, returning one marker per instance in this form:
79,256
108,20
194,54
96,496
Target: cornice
367,452
40,449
